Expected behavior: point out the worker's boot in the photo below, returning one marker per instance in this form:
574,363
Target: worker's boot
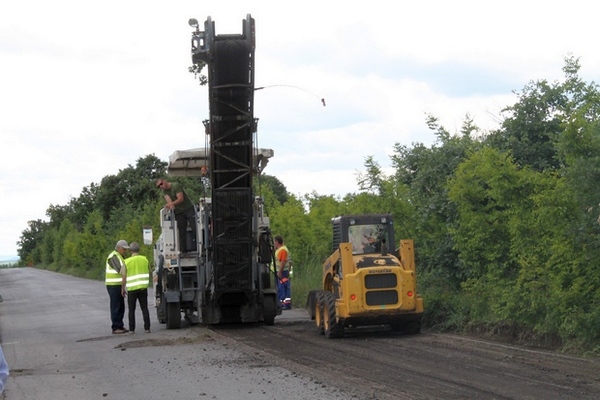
287,304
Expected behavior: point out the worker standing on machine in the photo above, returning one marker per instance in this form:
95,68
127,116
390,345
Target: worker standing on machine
178,201
283,259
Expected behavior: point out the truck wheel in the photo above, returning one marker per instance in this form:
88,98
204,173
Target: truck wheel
330,324
319,306
161,305
173,315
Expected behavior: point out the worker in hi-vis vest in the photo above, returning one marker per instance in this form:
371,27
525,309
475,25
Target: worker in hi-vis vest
284,265
135,286
115,267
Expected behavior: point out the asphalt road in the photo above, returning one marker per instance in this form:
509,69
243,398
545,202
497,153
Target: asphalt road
384,365
55,332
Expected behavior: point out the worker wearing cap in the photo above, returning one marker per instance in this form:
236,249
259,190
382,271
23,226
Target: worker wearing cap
135,286
115,268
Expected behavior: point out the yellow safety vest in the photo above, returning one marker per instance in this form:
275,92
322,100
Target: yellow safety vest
112,277
137,273
287,261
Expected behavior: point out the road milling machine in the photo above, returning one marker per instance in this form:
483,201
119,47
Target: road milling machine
228,278
364,283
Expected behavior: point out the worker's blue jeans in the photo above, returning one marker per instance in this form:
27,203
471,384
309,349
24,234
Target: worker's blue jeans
117,306
284,289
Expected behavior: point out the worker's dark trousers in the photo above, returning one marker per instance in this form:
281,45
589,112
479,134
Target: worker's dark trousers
117,306
133,296
183,219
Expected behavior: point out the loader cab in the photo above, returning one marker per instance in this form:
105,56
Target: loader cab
368,234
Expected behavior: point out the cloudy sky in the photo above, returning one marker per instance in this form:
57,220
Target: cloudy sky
87,88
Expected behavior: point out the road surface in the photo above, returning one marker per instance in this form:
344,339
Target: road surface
55,331
56,336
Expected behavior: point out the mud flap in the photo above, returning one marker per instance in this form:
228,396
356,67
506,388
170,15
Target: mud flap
172,297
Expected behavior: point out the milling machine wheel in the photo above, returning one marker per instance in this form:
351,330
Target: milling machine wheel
269,310
173,315
161,308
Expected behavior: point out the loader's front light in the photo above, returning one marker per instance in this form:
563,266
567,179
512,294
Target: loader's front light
353,297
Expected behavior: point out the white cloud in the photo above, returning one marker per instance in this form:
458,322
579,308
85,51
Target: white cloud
88,88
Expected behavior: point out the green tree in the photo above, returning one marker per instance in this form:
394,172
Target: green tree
321,209
382,194
371,181
132,185
429,212
66,229
290,221
275,185
535,122
487,189
57,214
30,239
93,246
81,206
47,246
541,245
